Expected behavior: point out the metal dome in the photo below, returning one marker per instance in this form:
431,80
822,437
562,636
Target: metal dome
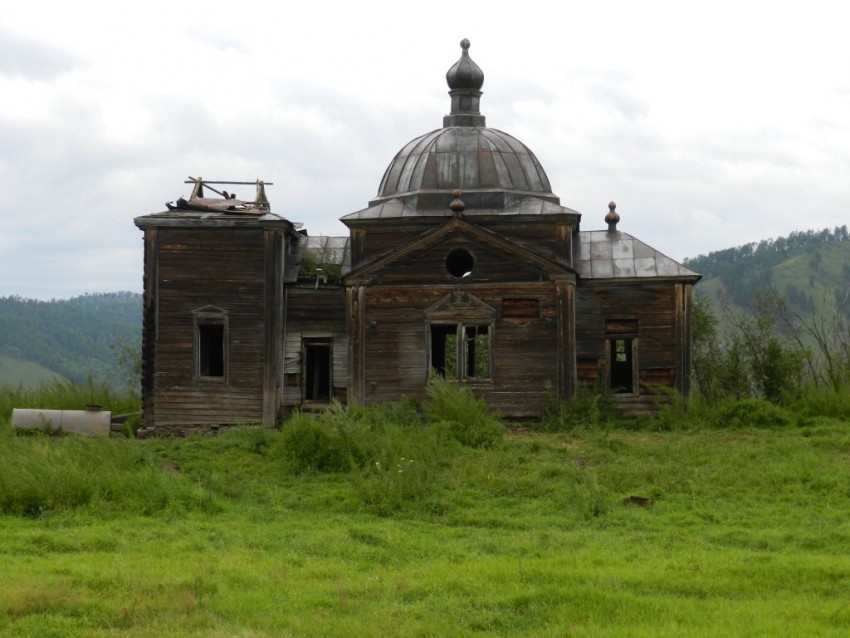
465,157
464,154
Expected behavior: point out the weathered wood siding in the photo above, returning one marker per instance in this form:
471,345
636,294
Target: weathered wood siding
656,309
551,240
525,361
224,268
371,242
548,239
428,267
314,313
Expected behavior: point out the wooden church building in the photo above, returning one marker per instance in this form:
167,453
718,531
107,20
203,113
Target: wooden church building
464,265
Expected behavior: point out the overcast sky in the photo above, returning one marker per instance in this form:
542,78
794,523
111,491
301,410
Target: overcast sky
711,124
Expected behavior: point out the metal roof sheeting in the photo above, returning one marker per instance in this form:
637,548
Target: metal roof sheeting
604,254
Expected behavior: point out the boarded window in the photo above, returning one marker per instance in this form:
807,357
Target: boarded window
621,327
520,309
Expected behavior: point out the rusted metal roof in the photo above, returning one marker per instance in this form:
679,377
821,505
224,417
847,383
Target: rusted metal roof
605,254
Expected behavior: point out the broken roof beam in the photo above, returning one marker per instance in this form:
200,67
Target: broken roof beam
260,200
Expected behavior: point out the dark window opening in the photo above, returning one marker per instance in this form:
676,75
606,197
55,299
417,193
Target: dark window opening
460,263
211,350
460,352
317,372
622,371
444,350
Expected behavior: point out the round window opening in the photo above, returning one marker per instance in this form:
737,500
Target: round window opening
460,263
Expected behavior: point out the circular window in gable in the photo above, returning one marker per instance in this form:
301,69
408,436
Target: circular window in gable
460,263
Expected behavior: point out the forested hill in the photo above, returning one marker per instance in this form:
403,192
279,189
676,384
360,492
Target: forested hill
73,337
810,268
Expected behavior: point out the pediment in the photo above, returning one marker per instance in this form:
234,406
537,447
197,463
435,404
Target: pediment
424,259
460,306
209,311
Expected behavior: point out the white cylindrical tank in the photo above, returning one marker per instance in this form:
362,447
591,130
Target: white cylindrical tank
92,422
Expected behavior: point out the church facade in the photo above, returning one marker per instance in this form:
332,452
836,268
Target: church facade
464,265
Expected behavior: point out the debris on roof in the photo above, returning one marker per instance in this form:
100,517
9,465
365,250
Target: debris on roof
228,202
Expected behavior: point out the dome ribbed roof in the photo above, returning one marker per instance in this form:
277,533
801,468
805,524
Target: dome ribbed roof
464,154
464,157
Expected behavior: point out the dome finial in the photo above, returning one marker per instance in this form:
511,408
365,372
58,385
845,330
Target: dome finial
457,204
465,80
612,217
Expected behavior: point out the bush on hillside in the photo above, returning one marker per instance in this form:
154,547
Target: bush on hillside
324,442
462,415
589,408
751,412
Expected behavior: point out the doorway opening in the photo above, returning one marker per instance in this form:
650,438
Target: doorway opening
622,365
317,371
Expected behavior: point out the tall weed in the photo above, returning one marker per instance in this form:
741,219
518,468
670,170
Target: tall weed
824,401
463,416
589,408
392,453
751,412
67,395
40,474
325,442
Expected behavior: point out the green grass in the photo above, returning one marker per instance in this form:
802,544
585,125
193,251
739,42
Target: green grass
746,535
15,373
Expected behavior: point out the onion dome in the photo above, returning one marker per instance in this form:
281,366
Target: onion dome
465,154
465,80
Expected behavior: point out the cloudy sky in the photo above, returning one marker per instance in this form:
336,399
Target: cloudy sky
711,124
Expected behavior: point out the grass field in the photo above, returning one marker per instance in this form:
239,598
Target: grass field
14,372
746,534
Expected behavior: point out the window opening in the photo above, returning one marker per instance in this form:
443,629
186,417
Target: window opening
461,351
444,350
317,371
622,375
460,263
211,349
210,344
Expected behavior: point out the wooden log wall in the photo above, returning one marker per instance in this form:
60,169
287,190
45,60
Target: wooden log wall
655,308
546,238
222,268
314,313
524,357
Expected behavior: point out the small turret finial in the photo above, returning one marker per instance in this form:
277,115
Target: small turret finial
612,217
457,204
465,80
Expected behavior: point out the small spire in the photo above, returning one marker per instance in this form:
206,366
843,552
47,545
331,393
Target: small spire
612,217
260,198
465,80
457,204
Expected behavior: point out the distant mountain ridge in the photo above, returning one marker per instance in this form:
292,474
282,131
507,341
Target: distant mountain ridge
811,269
75,338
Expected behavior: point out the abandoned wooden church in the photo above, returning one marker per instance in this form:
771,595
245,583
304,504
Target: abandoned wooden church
465,265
